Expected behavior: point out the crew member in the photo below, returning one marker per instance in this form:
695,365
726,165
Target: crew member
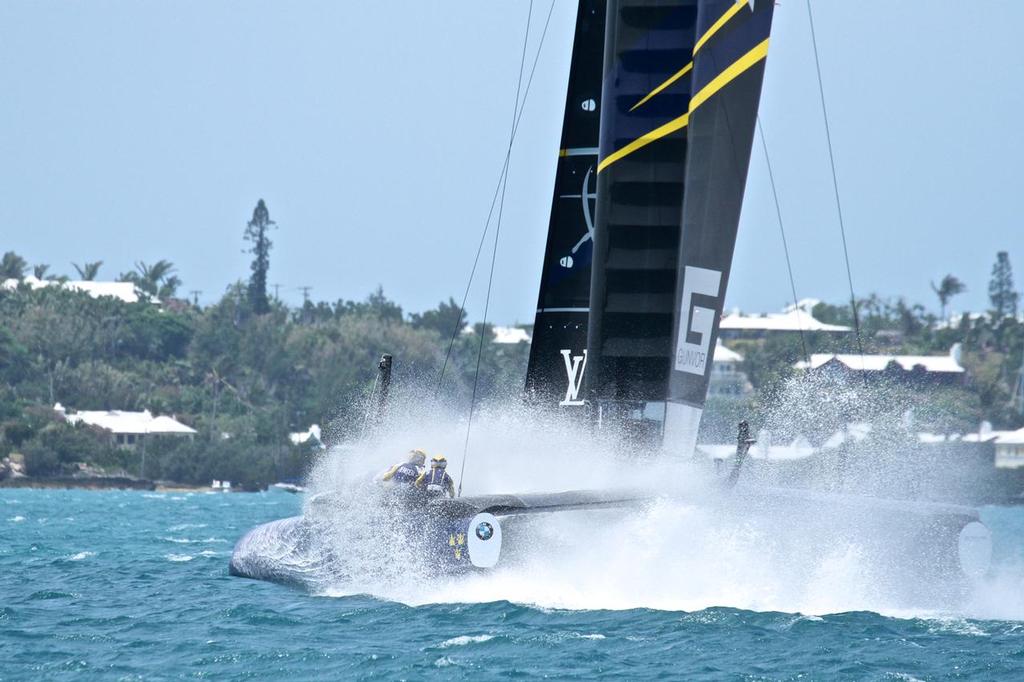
436,480
408,472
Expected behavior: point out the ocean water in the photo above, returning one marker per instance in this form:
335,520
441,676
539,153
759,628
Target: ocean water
132,585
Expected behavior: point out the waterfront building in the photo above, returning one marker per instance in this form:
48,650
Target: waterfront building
936,369
123,291
793,319
727,379
503,335
1008,445
128,429
310,437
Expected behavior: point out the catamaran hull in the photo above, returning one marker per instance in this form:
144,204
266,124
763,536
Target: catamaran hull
301,550
938,545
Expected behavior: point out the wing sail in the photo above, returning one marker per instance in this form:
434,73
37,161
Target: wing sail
558,352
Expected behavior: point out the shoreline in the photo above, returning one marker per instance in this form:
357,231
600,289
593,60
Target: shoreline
102,483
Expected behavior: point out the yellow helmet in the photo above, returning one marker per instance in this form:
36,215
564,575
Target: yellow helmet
438,461
417,456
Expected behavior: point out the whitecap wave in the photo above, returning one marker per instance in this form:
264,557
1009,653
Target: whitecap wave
463,640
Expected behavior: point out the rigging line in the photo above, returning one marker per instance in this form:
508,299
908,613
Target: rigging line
835,186
782,231
494,200
494,253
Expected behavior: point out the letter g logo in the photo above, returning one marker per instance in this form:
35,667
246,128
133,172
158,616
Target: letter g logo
695,321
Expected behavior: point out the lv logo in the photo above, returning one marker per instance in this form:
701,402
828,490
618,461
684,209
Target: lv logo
575,365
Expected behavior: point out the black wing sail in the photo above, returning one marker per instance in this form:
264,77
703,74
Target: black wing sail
558,351
640,191
728,69
681,88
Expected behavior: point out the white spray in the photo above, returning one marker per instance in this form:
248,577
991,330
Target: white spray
689,550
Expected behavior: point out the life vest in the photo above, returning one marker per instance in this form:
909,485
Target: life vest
406,473
436,481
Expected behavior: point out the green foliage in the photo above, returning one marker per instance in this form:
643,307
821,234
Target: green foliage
12,266
949,287
445,319
1000,288
245,465
256,232
58,447
157,279
88,271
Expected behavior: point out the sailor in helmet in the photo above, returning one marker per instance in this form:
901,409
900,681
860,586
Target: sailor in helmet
436,480
406,473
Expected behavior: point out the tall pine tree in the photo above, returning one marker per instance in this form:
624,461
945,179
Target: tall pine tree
256,233
1000,288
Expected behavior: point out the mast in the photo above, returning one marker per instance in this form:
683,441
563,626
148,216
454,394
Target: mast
558,354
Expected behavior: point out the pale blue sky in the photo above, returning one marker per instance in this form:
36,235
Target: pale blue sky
375,131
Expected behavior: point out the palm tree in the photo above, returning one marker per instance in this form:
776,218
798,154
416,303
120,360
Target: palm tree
12,266
949,287
88,271
39,271
156,279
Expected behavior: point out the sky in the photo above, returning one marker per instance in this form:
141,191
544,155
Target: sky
375,131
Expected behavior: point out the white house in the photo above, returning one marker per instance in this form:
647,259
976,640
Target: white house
128,429
793,318
504,335
124,291
1010,450
946,368
310,436
727,380
1009,445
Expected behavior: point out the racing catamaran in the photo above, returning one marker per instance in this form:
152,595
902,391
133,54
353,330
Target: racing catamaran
659,122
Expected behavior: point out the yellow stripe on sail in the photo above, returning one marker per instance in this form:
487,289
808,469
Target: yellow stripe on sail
722,21
703,95
727,76
672,79
644,140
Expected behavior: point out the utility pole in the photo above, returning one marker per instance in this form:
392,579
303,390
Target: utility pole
306,317
195,296
1018,391
277,291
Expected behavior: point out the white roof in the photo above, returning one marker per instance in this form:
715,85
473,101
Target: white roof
1009,437
793,320
511,335
876,363
124,291
119,421
723,354
300,437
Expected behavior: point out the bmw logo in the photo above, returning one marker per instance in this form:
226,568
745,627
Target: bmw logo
484,530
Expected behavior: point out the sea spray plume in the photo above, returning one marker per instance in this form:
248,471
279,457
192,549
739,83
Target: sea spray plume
864,440
693,546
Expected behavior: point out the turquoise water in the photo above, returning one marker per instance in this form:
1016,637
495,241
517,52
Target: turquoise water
129,585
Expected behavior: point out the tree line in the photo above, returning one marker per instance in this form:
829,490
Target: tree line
244,371
248,370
